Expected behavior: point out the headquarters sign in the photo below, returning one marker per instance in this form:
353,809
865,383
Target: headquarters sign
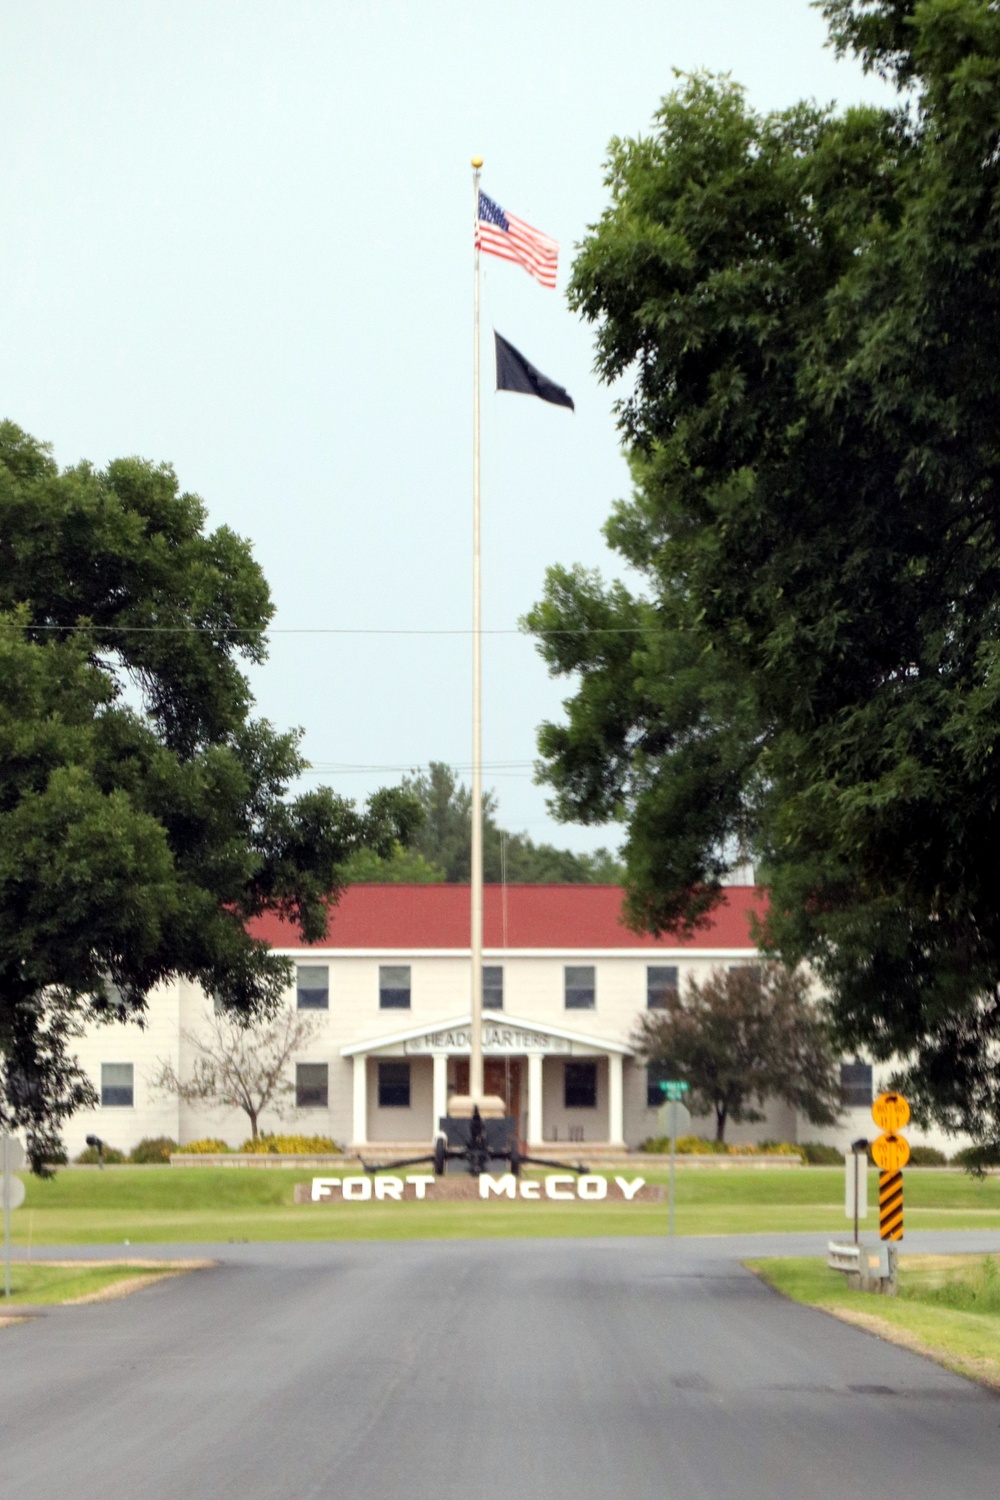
498,1041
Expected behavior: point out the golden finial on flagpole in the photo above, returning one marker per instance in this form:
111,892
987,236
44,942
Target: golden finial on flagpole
477,162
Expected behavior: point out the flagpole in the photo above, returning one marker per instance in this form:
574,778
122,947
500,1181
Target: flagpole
476,882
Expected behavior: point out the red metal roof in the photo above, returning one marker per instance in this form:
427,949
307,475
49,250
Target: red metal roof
538,916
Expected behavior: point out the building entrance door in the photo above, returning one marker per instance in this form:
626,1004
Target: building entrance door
501,1075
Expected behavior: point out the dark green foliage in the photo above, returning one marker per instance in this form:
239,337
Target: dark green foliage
152,1150
144,815
978,1159
815,1154
440,849
927,1156
89,1157
742,1036
807,306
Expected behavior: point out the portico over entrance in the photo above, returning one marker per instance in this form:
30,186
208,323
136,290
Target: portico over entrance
542,1072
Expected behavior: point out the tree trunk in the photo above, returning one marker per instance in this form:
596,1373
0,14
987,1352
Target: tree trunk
253,1124
721,1114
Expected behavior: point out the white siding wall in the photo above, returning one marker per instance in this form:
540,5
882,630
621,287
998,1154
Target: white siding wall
533,991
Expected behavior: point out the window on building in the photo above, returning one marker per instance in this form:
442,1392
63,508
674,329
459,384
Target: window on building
312,1085
661,986
394,1085
117,1085
580,987
757,970
394,987
856,1084
656,1073
580,1085
492,987
312,986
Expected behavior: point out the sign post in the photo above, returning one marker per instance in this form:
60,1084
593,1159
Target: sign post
673,1090
11,1160
856,1184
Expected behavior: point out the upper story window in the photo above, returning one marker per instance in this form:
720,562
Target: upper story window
661,986
492,987
312,986
581,989
394,987
117,1085
312,1085
856,1084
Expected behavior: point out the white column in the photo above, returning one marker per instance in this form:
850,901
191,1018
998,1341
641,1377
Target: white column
534,1099
440,1089
360,1135
616,1101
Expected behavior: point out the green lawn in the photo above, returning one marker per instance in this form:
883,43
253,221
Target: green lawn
38,1284
203,1204
948,1306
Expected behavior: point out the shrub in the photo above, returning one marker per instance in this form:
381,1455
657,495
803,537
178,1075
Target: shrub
817,1154
152,1150
781,1148
207,1147
687,1145
976,1159
292,1145
88,1156
927,1156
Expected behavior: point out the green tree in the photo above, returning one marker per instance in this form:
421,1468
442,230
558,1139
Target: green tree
807,305
441,845
144,814
400,867
743,1036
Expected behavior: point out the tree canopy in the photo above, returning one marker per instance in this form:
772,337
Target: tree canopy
440,848
807,306
742,1036
145,815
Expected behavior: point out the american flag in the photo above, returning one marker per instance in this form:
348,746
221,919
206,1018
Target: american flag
500,233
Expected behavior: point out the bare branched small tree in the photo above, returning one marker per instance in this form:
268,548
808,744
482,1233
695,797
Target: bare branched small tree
237,1066
742,1036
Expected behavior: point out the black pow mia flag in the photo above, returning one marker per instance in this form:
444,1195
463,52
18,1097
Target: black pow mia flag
515,373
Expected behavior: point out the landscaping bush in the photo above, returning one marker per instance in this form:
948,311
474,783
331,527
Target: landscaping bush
781,1148
207,1147
152,1150
687,1145
927,1156
292,1145
816,1154
88,1156
696,1145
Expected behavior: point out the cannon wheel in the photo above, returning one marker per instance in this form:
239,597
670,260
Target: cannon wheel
439,1156
515,1161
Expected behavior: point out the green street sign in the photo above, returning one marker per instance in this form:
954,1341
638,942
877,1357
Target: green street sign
675,1088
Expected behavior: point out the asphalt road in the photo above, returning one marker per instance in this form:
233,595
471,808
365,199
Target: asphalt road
529,1369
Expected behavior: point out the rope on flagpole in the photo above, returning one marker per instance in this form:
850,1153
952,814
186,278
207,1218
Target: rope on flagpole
476,873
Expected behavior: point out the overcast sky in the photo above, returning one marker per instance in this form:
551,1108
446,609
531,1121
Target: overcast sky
236,235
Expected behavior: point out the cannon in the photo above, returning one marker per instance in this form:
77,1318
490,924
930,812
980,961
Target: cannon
476,1132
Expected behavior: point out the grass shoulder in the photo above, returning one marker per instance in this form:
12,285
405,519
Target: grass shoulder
48,1283
948,1307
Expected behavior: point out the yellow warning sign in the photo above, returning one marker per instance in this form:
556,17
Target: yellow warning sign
890,1152
890,1205
890,1112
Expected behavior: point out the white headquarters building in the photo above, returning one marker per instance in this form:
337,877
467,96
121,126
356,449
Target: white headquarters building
564,985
